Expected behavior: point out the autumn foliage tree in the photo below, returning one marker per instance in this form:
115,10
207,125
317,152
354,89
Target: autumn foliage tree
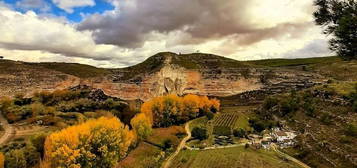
171,109
95,143
2,160
142,126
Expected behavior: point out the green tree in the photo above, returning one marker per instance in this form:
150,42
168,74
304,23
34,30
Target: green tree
199,133
340,19
142,126
15,159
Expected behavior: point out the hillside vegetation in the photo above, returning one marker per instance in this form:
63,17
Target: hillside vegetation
326,118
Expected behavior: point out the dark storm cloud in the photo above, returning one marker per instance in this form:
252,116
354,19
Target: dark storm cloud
202,19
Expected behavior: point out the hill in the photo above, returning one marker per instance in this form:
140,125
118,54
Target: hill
163,73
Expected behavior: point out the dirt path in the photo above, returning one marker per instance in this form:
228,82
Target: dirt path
180,146
9,130
301,164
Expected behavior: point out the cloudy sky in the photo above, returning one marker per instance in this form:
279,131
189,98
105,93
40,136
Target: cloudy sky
119,33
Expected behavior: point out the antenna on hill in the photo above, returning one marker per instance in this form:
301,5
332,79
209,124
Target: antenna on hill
1,57
198,51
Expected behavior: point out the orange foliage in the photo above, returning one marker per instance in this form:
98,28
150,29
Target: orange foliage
2,160
172,109
74,146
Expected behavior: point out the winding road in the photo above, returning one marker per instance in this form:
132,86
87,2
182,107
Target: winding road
288,157
180,146
9,130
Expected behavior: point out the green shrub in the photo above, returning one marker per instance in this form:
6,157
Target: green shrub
351,129
309,108
199,133
326,118
167,144
239,133
209,115
270,102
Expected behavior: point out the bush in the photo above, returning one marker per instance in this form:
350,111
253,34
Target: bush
199,133
326,118
351,129
288,106
167,144
209,115
270,102
309,108
239,133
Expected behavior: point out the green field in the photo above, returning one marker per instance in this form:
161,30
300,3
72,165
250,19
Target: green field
238,157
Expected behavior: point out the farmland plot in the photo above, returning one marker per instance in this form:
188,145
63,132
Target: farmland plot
224,124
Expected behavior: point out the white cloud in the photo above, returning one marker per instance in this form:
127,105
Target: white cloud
68,5
260,32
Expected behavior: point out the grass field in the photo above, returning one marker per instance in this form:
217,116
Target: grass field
238,157
144,156
173,133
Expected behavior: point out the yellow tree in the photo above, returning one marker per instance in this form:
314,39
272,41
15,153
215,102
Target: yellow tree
95,143
142,126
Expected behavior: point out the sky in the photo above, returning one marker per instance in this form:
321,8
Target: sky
121,33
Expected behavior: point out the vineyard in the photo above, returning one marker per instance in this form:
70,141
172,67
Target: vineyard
226,120
224,124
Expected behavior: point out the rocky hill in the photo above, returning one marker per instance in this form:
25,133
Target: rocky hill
163,73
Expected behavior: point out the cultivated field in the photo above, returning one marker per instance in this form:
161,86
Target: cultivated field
226,120
238,157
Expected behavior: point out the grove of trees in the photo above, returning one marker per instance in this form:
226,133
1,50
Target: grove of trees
171,109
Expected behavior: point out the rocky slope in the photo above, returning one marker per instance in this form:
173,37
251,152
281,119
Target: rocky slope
163,73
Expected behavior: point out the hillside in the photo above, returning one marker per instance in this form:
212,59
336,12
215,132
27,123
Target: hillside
196,73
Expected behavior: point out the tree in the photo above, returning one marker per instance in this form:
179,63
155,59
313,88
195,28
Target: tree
2,160
95,143
239,133
171,109
141,125
199,133
340,19
15,159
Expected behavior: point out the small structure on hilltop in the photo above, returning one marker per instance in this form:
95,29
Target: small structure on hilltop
1,57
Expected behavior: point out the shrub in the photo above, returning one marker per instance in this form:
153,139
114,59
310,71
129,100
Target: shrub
309,108
239,133
167,144
326,118
351,129
199,133
141,125
270,102
15,159
209,115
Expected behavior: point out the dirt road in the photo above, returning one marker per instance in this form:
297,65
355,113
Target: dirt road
180,146
9,130
301,164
